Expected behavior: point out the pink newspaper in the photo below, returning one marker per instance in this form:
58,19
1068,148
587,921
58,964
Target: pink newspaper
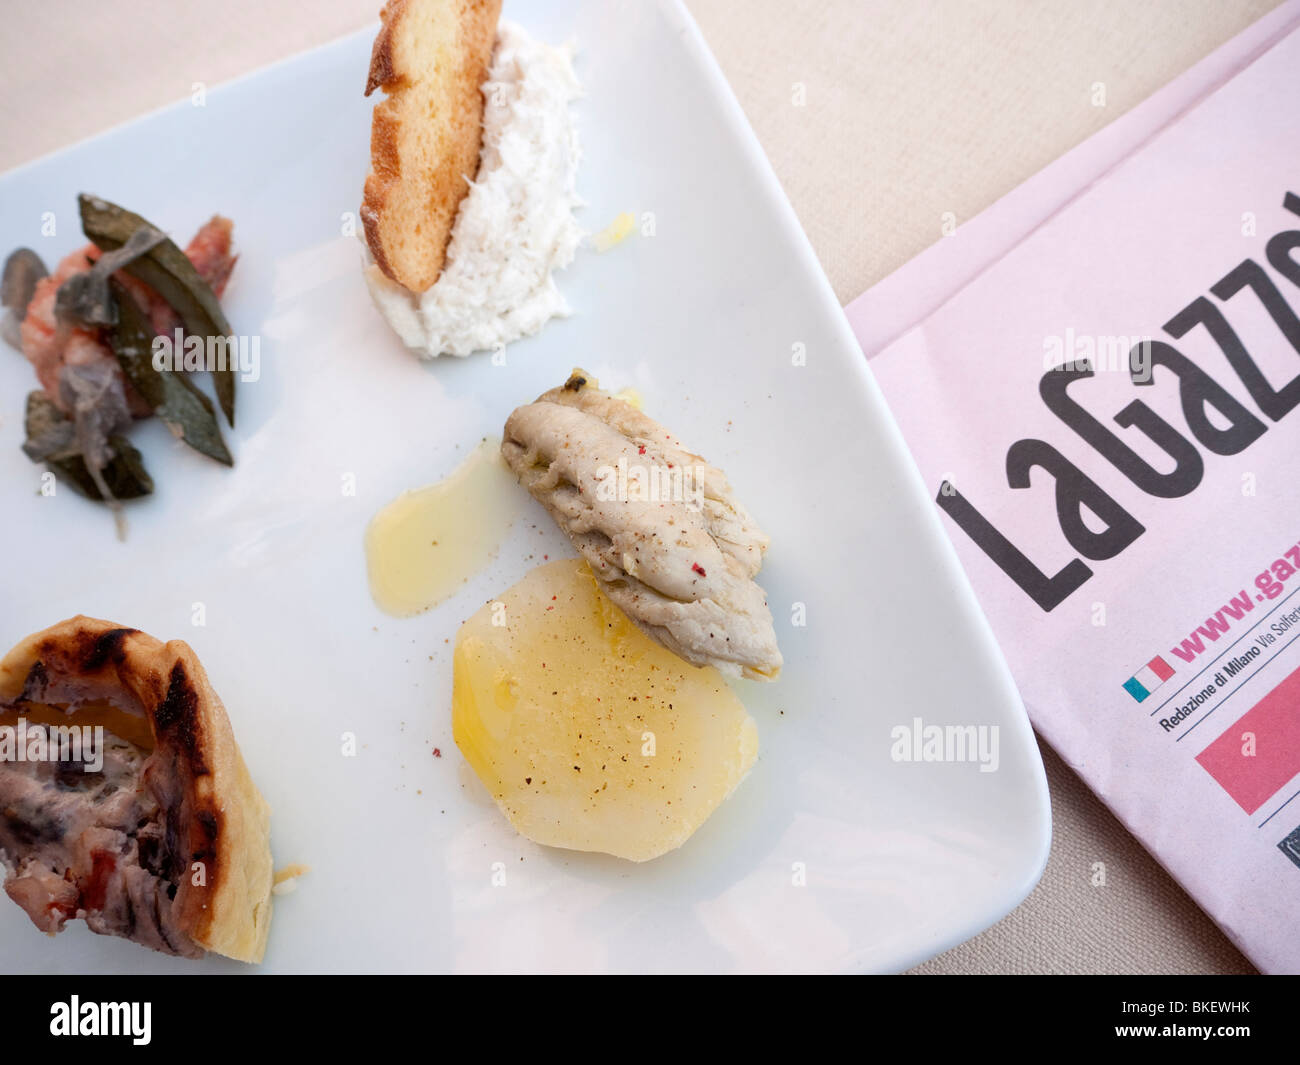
1100,381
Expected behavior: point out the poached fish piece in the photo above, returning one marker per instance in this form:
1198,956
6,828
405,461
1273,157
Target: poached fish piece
663,532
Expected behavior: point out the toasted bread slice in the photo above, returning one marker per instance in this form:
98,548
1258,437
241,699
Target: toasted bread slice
431,58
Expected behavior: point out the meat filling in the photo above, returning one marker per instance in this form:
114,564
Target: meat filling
102,847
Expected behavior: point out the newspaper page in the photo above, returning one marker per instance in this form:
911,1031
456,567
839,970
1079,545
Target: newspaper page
1108,415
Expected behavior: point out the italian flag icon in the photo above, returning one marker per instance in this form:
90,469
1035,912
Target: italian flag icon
1148,678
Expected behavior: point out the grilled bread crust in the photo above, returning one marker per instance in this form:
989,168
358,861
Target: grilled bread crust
223,821
431,59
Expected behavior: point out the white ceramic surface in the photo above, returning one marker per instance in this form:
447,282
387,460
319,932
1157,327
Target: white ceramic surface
901,860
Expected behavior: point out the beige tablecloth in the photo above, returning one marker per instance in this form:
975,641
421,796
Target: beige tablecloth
910,109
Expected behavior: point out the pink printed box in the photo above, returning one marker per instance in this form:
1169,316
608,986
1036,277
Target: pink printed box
1260,753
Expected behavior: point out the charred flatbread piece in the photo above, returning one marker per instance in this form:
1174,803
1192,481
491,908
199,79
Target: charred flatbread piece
168,844
664,534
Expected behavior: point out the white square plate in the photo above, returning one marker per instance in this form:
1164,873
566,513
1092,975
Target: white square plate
900,860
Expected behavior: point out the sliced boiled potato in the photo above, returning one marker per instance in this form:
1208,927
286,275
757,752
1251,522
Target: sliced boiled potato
589,734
